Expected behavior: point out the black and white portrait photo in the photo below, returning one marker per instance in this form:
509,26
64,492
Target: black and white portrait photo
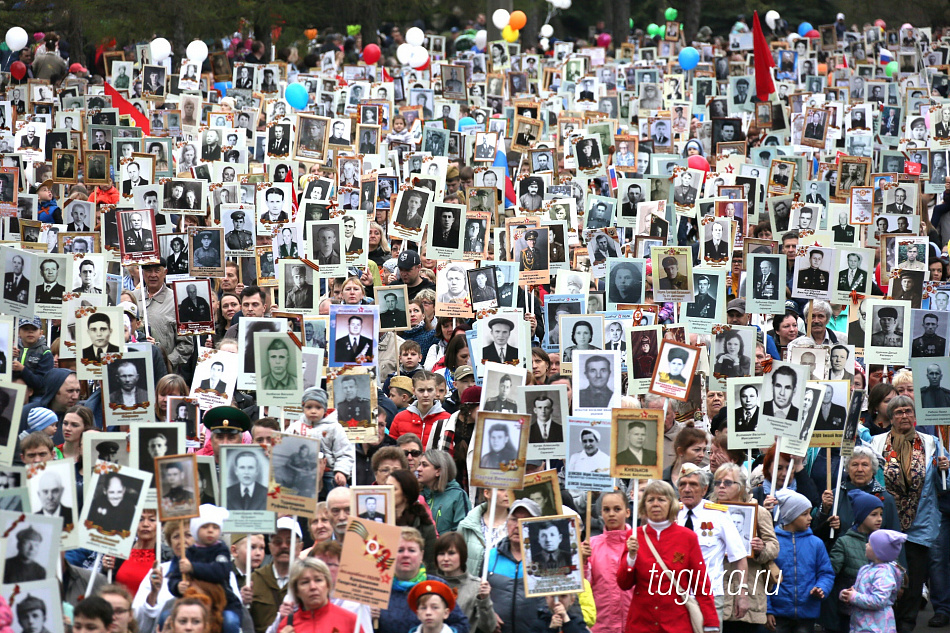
782,393
297,285
32,548
813,273
482,285
294,465
734,352
624,282
193,302
743,516
596,379
499,386
552,555
587,152
128,383
500,444
53,494
244,475
177,485
115,498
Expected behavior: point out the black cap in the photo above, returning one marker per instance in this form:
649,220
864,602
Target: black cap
408,260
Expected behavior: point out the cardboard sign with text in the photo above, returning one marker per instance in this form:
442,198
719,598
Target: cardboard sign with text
366,566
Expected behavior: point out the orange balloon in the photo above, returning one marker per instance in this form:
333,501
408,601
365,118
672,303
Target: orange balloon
518,20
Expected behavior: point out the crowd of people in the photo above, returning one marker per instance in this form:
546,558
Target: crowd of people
610,339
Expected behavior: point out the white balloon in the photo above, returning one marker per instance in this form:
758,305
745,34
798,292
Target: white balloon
160,49
17,38
418,56
547,31
197,51
481,38
771,18
415,36
565,4
500,18
544,43
403,53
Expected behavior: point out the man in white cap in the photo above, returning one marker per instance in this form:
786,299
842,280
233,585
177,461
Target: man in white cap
268,585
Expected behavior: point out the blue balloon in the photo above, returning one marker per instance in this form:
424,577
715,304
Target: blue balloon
466,121
223,87
805,27
296,95
688,58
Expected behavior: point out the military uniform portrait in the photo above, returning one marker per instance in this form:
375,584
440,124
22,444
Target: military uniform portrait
812,273
886,325
674,372
703,305
553,555
499,385
177,484
929,332
297,289
932,393
193,302
31,551
392,301
353,334
353,408
238,230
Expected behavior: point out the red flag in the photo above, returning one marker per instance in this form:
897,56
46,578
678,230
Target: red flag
763,61
120,102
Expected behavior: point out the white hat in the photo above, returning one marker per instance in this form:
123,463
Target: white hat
287,523
840,16
208,513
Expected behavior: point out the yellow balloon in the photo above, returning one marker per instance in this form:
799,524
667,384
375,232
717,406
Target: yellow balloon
509,34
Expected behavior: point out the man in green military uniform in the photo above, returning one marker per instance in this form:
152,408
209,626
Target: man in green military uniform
239,239
502,403
351,406
934,396
279,374
673,280
813,277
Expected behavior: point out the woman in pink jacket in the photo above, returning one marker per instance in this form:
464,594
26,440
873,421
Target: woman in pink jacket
603,554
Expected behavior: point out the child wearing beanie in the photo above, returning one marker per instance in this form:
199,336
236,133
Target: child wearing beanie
847,555
335,448
874,592
209,560
807,576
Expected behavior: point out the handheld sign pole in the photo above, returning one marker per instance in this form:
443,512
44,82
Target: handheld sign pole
847,442
778,441
96,565
491,524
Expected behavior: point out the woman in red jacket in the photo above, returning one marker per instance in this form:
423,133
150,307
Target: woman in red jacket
656,606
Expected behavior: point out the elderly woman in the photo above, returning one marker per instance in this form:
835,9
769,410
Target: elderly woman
449,503
860,470
801,482
659,545
310,586
730,485
912,461
408,572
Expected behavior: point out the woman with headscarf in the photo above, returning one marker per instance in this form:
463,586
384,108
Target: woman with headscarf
912,465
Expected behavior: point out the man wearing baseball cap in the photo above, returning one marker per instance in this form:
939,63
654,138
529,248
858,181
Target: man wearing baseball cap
160,311
410,273
33,358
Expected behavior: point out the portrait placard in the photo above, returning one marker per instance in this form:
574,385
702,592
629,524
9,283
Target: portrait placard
500,446
52,489
215,377
673,279
596,381
812,273
673,375
636,442
886,335
547,405
765,292
783,393
732,353
129,389
32,549
247,328
373,503
355,411
12,400
18,294
853,266
744,418
193,307
116,496
825,404
185,411
176,479
354,332
137,237
294,480
542,487
743,516
932,395
245,474
393,302
54,272
206,251
452,295
106,446
150,441
643,341
552,555
589,442
277,369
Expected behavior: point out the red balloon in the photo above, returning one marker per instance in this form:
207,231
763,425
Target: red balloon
18,70
813,34
425,66
371,54
698,162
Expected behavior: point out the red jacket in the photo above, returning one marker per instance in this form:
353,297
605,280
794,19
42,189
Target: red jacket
654,607
327,618
108,196
410,420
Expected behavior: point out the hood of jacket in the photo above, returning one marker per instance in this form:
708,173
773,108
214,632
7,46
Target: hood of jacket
54,380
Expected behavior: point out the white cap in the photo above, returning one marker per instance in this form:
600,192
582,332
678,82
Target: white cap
287,523
840,16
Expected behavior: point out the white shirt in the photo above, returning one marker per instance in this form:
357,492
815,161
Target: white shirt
722,540
599,462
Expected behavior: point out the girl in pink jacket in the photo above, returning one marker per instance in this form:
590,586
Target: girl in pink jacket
603,555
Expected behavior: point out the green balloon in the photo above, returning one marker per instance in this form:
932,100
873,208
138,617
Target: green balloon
890,69
671,14
631,23
651,30
4,47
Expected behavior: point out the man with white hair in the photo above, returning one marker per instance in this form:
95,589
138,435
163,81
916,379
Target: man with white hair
718,537
50,494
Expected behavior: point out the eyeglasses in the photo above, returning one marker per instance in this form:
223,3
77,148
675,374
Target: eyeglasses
903,413
384,471
412,454
725,482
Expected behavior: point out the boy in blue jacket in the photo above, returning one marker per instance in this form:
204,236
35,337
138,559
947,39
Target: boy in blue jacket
209,559
807,575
